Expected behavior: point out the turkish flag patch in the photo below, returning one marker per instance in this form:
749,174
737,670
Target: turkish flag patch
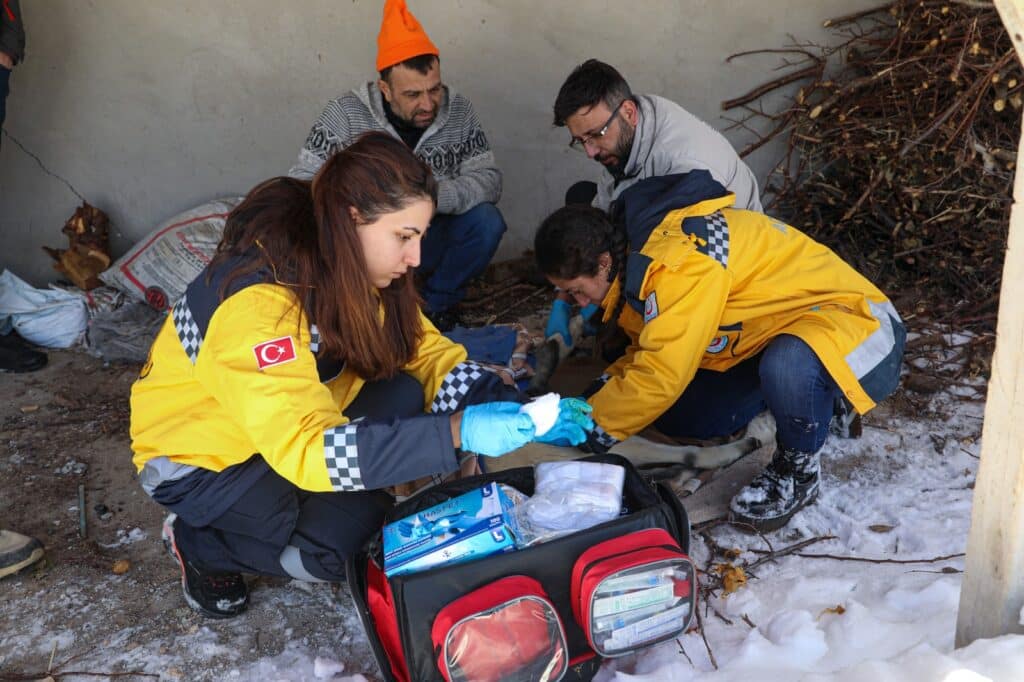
650,307
274,352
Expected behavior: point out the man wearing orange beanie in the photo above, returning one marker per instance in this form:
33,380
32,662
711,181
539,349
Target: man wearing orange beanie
410,102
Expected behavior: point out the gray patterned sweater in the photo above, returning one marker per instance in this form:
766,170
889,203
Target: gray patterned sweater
454,145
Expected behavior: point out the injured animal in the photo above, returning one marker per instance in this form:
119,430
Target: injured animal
681,466
550,354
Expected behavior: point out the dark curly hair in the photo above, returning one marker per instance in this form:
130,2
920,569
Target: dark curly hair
569,244
589,83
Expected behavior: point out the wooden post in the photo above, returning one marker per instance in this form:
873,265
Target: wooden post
992,594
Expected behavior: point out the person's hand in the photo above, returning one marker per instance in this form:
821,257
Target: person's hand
576,410
494,429
558,321
6,60
573,424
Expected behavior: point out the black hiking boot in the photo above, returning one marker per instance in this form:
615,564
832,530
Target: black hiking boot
787,485
215,595
17,356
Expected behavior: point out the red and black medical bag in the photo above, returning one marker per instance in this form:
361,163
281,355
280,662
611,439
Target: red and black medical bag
547,612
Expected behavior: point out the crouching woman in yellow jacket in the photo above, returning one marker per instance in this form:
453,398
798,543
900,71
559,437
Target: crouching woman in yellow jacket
296,378
727,311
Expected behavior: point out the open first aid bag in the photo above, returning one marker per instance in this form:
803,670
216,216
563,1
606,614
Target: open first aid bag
546,611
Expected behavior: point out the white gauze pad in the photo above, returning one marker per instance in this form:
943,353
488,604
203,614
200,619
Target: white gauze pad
543,410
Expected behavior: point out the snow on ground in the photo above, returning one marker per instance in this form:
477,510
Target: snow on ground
902,492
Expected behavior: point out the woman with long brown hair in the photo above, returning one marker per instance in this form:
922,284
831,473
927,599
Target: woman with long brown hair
288,386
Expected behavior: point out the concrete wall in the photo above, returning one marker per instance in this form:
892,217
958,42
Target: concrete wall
148,108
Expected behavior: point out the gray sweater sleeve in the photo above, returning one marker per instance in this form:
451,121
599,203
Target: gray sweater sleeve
331,131
477,179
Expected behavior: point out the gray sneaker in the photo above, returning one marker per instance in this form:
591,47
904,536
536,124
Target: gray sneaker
17,551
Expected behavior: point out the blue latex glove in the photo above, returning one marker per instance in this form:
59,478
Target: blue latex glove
591,323
576,410
587,311
495,429
572,426
558,321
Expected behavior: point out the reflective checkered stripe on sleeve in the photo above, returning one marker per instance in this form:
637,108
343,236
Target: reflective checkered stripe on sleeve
455,386
188,331
342,457
718,237
603,437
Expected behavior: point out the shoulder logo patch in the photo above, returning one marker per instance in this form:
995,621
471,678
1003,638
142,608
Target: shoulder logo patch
718,344
274,352
651,307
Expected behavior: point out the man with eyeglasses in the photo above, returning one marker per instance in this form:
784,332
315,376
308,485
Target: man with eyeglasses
642,136
410,102
636,137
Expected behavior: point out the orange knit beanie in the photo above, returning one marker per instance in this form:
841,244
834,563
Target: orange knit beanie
401,36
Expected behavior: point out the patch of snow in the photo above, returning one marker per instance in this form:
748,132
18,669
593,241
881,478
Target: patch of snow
126,537
325,668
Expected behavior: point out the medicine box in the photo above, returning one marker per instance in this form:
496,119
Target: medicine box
471,526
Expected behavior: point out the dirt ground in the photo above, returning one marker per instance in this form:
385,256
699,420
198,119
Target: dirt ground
64,428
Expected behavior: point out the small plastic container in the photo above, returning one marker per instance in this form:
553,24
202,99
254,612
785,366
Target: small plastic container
633,591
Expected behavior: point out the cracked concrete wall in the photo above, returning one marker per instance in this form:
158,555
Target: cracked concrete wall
147,109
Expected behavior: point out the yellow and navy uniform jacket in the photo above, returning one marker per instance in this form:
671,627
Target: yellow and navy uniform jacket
707,286
228,379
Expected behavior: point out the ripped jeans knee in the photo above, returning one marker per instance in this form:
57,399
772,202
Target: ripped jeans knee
801,433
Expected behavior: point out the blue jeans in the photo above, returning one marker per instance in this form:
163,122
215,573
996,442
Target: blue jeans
456,249
787,378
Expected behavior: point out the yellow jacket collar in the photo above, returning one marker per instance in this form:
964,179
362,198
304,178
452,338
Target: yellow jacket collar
610,298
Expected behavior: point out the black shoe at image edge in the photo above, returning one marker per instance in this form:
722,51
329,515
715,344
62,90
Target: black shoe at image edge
215,595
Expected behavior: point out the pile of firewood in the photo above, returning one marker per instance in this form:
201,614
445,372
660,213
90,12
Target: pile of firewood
900,148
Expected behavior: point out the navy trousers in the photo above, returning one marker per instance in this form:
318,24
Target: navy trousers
275,527
456,249
787,378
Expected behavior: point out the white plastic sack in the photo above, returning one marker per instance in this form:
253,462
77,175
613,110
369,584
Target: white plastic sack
159,267
53,317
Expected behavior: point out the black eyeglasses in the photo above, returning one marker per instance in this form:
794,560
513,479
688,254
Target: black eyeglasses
580,143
